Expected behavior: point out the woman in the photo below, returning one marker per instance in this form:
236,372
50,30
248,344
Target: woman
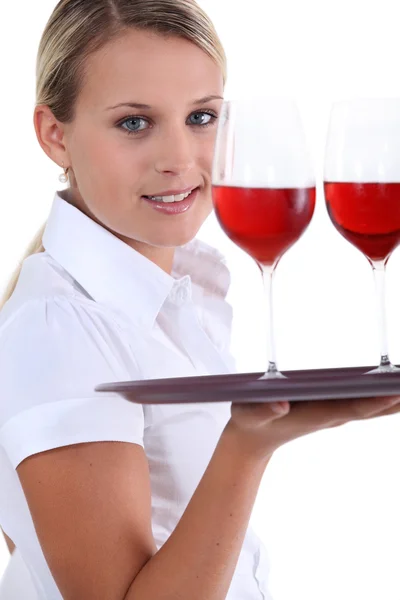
106,499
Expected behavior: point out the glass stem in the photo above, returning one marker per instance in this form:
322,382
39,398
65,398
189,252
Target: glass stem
268,276
379,269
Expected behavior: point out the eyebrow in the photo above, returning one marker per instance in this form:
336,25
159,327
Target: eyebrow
148,107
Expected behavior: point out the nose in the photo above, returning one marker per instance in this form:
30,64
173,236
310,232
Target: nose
175,155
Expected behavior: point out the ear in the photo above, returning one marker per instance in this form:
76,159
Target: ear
50,134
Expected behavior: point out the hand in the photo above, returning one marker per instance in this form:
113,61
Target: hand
261,430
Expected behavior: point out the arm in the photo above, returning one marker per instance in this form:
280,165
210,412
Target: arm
199,559
102,547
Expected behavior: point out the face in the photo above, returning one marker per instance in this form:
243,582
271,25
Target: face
145,128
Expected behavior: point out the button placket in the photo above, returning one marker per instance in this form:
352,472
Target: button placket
181,292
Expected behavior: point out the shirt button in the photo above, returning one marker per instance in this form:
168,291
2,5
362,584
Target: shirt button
182,295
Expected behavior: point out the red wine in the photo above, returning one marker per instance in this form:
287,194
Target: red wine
264,222
367,215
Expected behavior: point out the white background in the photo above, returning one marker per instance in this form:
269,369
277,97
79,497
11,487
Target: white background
328,504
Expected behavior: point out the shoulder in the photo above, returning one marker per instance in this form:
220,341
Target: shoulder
54,351
62,329
49,300
41,275
57,347
46,316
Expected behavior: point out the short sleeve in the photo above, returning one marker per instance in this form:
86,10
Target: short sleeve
53,353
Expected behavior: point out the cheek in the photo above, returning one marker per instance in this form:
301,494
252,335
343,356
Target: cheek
206,205
127,163
206,155
110,161
92,157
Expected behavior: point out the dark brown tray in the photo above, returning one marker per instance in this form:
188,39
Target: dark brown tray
321,384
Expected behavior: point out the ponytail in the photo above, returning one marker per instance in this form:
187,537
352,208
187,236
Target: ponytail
34,247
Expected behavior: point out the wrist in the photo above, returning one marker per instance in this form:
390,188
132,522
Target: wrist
245,446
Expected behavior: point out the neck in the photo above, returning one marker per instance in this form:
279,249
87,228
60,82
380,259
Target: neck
162,257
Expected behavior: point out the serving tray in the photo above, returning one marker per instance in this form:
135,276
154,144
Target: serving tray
299,386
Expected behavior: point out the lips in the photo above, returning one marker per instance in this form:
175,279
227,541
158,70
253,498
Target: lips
174,207
171,192
168,198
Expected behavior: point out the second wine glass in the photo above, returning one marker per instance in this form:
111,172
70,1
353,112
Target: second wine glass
263,186
362,187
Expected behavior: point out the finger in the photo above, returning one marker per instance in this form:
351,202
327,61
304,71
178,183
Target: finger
373,406
389,410
260,413
312,415
333,413
363,408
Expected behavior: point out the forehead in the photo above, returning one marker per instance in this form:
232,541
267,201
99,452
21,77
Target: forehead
147,67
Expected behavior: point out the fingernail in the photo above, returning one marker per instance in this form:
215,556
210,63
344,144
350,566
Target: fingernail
280,408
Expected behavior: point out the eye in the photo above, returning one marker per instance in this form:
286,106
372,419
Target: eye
134,124
202,118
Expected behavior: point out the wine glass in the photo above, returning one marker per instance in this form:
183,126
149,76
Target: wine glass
362,187
263,186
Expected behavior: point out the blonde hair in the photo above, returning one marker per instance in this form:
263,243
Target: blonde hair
78,28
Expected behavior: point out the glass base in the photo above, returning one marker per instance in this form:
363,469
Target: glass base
385,367
272,373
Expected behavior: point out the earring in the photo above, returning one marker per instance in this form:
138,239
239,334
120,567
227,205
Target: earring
64,176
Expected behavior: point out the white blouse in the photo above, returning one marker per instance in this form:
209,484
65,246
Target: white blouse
92,310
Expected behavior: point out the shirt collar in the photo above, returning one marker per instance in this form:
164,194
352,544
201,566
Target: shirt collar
115,274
